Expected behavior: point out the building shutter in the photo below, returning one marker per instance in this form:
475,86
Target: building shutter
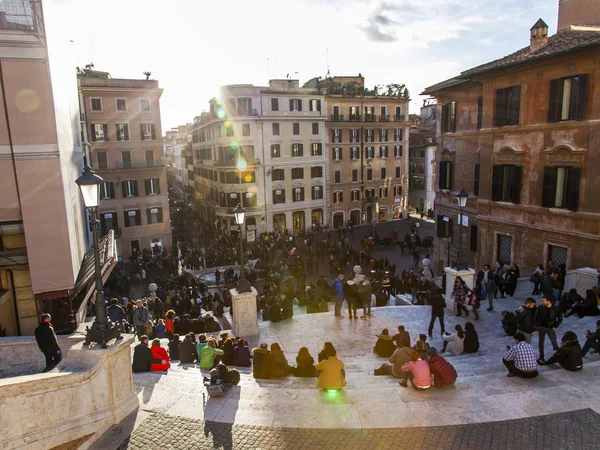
157,185
126,131
474,235
142,131
479,112
516,180
125,218
476,180
554,106
450,175
93,132
147,182
148,216
573,179
160,215
115,221
497,175
153,132
117,132
500,109
514,105
124,188
299,104
452,108
135,188
291,104
443,175
440,226
138,217
102,224
578,98
105,129
549,189
318,105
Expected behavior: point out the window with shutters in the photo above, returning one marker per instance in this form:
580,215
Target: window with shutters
274,104
476,180
398,191
278,196
338,197
295,104
275,129
244,106
317,192
370,152
154,215
383,134
122,132
297,173
398,113
354,134
369,132
473,240
446,174
336,135
397,151
295,129
132,218
99,132
129,188
96,104
297,150
444,226
370,194
102,160
316,149
479,112
107,190
229,130
355,195
370,113
398,134
383,173
369,174
245,129
278,175
506,183
149,158
275,150
337,176
314,105
568,98
126,159
354,153
336,154
397,172
449,117
152,186
383,192
383,151
315,128
508,106
354,174
121,104
354,113
147,131
298,194
249,200
561,187
316,172
108,221
145,105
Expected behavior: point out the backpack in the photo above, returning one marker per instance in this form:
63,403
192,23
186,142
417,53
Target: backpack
215,390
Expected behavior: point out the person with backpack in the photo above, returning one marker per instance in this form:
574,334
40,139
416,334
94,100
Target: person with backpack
437,302
338,285
526,319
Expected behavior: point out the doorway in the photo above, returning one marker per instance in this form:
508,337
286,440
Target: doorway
135,247
156,246
298,222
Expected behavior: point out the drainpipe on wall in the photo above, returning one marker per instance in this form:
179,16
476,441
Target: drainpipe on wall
14,298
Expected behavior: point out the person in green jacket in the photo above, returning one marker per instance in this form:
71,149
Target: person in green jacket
207,354
200,345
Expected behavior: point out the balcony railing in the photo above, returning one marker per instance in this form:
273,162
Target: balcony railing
247,112
370,118
337,117
232,162
399,118
148,164
355,118
384,118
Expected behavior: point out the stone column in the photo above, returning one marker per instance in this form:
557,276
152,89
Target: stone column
451,274
244,317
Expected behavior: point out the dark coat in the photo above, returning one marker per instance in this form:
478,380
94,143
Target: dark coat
287,307
444,372
526,319
275,313
241,356
568,356
46,339
402,339
143,359
385,346
471,342
509,323
548,317
437,302
305,367
547,288
278,365
174,350
260,366
116,313
187,351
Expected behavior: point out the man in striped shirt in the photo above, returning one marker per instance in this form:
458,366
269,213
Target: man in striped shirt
520,359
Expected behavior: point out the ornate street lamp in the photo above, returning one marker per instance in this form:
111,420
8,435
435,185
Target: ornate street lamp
460,263
102,330
243,285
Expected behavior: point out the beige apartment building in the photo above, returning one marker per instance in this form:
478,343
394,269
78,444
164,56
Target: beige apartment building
262,147
123,126
42,220
367,149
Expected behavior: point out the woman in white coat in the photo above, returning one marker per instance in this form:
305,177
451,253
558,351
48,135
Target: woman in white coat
454,343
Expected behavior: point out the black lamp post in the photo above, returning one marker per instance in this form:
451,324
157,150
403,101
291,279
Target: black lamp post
460,263
243,285
102,330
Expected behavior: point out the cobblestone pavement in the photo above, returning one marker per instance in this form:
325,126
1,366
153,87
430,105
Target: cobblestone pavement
577,430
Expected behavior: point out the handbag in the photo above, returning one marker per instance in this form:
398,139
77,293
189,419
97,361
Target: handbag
535,278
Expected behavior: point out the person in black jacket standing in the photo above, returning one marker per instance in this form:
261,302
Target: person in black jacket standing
526,319
142,357
46,341
438,304
548,318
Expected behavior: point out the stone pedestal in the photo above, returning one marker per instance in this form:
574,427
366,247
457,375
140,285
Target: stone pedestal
451,274
244,317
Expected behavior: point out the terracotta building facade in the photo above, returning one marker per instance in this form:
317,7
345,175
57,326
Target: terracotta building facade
123,126
521,135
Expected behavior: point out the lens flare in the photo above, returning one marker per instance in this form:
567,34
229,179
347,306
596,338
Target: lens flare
242,164
27,101
220,112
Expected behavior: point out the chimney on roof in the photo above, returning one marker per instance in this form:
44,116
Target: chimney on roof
539,35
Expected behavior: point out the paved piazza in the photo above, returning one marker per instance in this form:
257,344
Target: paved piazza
484,409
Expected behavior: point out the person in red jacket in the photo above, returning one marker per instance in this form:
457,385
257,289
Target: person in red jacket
444,373
159,353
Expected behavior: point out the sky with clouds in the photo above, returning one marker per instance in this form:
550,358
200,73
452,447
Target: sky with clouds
194,46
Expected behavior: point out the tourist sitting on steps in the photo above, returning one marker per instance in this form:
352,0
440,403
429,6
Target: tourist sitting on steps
400,357
471,343
174,348
260,363
443,372
509,323
222,374
208,353
402,338
592,340
454,343
200,345
142,357
330,372
187,349
305,364
241,354
568,354
520,359
227,348
589,306
385,344
159,353
278,365
417,372
421,345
